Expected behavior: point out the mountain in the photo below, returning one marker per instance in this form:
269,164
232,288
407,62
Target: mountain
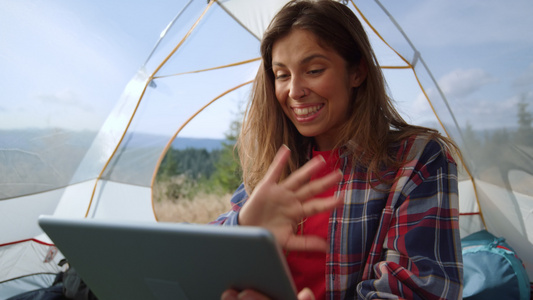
37,139
187,142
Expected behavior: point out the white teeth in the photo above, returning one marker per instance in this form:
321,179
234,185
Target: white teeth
307,110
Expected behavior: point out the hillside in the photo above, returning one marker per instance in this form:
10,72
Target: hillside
44,159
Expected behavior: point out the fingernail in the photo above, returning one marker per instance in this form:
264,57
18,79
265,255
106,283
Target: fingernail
286,147
246,295
306,293
229,295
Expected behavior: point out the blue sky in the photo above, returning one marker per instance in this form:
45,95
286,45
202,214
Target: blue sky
65,63
480,52
72,58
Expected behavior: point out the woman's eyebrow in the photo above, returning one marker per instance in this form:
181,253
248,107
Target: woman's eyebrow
303,61
311,57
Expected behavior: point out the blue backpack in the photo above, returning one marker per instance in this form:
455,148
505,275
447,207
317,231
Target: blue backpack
492,270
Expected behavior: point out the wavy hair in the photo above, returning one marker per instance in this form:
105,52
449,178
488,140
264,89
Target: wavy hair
374,124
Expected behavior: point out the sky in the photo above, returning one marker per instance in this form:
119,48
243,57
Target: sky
479,52
65,64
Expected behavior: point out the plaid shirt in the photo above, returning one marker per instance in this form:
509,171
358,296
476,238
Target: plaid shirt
393,241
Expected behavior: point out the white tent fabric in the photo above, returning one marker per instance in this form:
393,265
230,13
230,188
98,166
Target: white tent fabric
201,66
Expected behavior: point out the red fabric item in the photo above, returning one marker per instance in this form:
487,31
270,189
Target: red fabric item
309,268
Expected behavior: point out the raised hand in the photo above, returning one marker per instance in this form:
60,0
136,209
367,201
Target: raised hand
280,206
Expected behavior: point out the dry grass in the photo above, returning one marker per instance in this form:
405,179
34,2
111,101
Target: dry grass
201,209
173,202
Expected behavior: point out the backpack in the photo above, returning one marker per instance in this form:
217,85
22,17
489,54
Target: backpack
492,270
73,286
67,286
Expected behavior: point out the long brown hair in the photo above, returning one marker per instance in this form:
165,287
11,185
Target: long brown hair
374,124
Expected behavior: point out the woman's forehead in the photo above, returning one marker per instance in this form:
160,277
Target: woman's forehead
298,44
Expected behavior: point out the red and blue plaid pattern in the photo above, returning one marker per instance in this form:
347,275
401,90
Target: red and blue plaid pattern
393,241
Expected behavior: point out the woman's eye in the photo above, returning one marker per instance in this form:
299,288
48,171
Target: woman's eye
281,76
314,72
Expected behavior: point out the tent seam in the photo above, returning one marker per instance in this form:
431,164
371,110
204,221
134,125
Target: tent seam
169,144
150,78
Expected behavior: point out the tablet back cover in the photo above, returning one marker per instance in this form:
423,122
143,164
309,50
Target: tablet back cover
141,260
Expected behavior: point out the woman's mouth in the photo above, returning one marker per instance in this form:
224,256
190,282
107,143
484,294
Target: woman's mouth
306,113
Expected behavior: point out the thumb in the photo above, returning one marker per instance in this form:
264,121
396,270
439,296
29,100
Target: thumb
306,294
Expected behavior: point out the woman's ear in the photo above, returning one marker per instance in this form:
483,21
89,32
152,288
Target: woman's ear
358,74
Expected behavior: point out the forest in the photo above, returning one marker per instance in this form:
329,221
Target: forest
492,154
185,173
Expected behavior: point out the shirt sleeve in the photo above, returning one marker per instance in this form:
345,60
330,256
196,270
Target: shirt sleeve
231,218
422,251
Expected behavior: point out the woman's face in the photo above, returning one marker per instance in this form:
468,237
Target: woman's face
313,86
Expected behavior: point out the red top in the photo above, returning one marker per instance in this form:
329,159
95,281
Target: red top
309,268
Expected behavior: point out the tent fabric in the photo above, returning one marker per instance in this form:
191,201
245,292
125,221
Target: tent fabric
27,283
16,212
28,265
201,66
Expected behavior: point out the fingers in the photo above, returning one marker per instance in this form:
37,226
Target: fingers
230,295
319,186
244,295
299,179
302,176
306,294
310,242
276,167
315,206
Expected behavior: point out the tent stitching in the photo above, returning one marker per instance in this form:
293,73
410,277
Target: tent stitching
150,78
169,144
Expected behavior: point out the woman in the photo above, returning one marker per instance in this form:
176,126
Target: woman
364,204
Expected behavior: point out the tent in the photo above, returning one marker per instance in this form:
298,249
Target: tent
87,116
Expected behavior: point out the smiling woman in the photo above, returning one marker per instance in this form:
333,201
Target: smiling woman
359,188
314,86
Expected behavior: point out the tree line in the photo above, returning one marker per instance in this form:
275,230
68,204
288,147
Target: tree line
191,171
493,153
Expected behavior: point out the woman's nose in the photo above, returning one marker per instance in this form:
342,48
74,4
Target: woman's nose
297,89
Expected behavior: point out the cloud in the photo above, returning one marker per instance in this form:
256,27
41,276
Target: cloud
64,98
456,85
468,23
461,83
463,90
524,80
492,114
59,62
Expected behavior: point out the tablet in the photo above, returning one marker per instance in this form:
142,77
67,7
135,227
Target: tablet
150,260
